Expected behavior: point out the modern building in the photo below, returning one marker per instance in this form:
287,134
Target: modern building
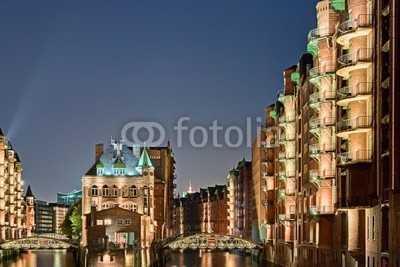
43,217
59,213
12,223
68,199
120,177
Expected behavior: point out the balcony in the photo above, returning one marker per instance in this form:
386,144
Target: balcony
361,59
360,156
316,175
319,72
317,124
355,125
282,96
314,36
282,193
321,210
317,149
361,26
284,138
316,99
282,217
286,119
362,91
282,175
270,144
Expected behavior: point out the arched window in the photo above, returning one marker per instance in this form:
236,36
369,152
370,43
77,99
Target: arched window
114,191
133,191
106,191
124,191
94,191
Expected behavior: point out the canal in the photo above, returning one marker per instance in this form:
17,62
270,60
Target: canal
63,258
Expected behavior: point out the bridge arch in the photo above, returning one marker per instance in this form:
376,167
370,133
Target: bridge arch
36,242
211,241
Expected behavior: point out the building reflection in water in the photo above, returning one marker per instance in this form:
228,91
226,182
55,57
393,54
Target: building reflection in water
39,258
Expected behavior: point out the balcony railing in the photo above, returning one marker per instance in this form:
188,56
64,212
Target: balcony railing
321,70
287,119
286,138
282,193
322,148
354,123
319,33
322,96
361,55
324,122
362,88
362,21
282,217
363,155
315,210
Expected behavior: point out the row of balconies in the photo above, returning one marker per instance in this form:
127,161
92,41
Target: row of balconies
343,125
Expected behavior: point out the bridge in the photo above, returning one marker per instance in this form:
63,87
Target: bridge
39,242
211,241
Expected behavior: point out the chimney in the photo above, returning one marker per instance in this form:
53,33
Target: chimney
98,150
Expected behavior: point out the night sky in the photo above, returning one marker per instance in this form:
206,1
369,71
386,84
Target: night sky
73,73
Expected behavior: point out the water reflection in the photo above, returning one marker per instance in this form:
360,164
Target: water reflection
215,258
40,258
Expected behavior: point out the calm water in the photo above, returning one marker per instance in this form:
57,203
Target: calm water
210,259
42,258
62,258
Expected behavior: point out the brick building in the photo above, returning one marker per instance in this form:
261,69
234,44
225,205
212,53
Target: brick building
336,174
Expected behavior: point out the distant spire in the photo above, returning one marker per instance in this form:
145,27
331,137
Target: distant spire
29,192
190,190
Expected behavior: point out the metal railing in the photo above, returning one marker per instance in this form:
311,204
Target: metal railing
322,96
322,148
314,210
362,155
354,123
362,21
327,121
287,119
321,70
362,54
318,33
362,88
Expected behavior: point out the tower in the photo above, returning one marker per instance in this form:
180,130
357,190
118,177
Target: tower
30,211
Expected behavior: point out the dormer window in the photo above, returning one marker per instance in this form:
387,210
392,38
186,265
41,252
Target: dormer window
119,171
100,171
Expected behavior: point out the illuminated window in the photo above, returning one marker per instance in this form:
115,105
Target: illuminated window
133,191
99,222
94,191
107,222
100,171
133,207
114,191
120,222
106,192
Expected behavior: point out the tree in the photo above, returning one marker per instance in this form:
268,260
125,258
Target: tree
76,219
72,224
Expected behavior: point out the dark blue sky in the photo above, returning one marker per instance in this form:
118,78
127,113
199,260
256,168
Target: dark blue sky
74,72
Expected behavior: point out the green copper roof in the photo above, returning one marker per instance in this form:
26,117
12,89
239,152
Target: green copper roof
312,49
144,161
338,5
119,164
273,114
295,77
